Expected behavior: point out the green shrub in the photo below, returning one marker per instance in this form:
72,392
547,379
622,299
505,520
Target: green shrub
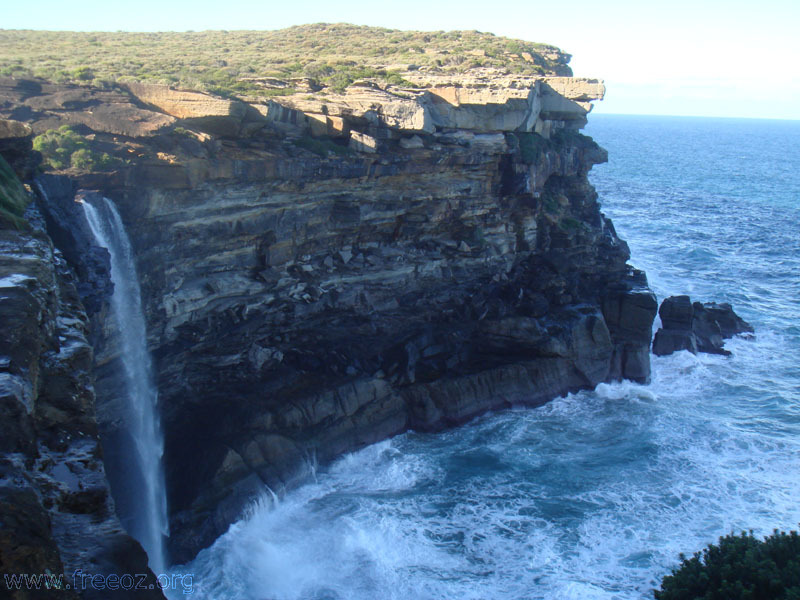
63,148
13,197
531,145
83,74
58,145
738,568
571,224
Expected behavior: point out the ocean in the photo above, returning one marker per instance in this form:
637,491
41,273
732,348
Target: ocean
594,495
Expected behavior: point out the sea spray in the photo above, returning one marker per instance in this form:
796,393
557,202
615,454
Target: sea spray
149,523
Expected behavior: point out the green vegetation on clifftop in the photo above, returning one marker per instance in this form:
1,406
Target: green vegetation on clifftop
264,62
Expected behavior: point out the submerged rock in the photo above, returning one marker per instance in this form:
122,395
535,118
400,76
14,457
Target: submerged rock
696,327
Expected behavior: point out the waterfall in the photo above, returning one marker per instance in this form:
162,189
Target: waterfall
148,524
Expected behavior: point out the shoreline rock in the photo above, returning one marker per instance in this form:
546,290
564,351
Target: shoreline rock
696,327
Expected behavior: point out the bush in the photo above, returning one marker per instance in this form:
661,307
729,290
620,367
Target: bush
531,145
63,148
738,568
58,145
83,74
13,198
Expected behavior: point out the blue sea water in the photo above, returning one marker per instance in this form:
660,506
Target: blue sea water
594,495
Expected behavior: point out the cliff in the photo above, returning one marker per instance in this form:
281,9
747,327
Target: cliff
57,512
325,271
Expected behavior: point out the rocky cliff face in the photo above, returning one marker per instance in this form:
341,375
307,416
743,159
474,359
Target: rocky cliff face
57,513
324,273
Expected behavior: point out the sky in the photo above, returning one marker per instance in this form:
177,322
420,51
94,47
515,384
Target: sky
702,57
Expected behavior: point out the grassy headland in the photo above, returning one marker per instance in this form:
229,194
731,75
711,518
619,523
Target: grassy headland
264,63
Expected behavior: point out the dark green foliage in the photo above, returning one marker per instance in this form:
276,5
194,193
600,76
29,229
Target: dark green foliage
739,568
13,198
531,145
83,74
63,148
550,203
58,145
339,76
570,224
572,138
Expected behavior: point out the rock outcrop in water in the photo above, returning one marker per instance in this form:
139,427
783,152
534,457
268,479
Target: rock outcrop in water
696,327
324,273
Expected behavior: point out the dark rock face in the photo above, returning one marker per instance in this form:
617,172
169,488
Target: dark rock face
696,327
299,308
629,309
69,231
16,143
55,508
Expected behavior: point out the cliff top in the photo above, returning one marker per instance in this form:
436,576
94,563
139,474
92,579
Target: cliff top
269,63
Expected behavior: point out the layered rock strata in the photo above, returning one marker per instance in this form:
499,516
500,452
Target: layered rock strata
338,270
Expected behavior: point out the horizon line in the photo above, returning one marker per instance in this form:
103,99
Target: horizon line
733,118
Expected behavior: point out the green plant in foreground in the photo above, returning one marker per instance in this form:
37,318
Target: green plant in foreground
738,568
13,197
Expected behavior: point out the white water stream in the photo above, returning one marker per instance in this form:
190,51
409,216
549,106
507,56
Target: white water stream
149,525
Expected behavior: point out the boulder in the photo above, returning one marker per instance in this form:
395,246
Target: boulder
579,89
361,142
676,313
285,119
218,116
10,129
629,311
667,341
729,322
49,106
120,119
488,102
485,108
16,143
696,327
411,143
367,104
